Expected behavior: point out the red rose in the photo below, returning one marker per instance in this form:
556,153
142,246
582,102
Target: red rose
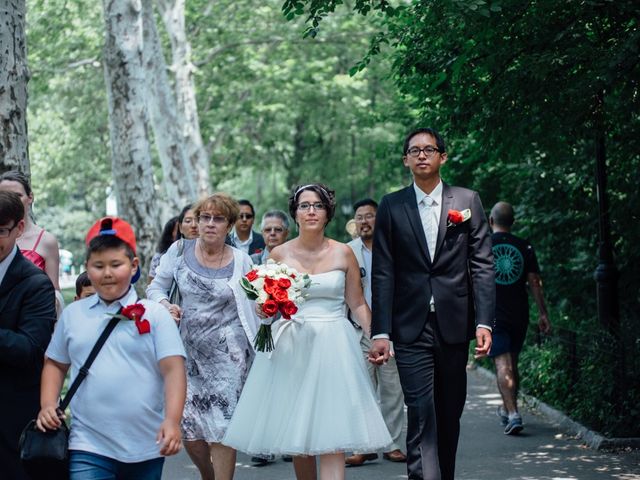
288,308
270,308
258,250
280,295
284,283
455,216
252,275
269,285
143,326
133,312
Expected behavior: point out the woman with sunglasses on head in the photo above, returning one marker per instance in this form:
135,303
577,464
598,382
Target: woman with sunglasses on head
218,324
312,396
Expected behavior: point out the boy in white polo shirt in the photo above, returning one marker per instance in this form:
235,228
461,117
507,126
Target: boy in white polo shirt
126,414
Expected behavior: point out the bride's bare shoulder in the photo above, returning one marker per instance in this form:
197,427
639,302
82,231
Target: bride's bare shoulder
339,247
281,252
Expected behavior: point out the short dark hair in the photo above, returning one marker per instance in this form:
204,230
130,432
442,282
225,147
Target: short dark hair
166,237
17,176
429,131
100,243
81,282
503,214
11,208
327,197
247,203
365,202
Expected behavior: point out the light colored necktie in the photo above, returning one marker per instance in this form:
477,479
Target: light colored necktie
429,223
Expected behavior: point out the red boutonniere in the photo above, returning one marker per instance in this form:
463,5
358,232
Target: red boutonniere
455,217
135,312
258,251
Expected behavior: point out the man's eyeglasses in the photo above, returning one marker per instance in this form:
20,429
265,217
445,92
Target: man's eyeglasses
428,151
273,230
365,217
208,219
4,232
245,216
305,206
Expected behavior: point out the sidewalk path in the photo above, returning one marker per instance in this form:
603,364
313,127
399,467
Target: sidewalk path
540,452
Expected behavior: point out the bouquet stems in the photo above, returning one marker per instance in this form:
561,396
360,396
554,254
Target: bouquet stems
264,340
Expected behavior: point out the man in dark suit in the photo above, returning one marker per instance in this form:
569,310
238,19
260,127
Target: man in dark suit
27,316
433,291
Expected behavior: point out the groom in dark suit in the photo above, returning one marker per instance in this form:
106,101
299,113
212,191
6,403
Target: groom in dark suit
433,291
27,316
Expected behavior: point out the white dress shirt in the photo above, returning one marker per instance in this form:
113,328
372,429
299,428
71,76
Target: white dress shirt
242,244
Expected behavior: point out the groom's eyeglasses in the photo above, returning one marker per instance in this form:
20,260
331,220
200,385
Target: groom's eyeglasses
428,151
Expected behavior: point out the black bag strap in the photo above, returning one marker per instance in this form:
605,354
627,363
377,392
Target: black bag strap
84,371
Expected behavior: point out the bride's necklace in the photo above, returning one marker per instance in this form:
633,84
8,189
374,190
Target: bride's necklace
204,254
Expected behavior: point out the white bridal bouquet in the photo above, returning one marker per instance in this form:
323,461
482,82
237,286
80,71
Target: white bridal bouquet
277,288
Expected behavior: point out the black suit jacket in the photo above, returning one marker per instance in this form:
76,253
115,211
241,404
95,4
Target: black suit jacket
27,317
460,277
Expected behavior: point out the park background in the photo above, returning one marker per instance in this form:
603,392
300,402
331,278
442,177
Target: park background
148,104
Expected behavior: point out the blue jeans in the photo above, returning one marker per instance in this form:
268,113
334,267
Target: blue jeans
90,466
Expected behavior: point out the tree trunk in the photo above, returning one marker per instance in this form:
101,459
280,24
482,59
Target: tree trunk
130,150
178,176
173,15
14,75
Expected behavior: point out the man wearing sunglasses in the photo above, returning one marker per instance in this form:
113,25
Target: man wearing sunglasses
27,316
275,230
243,236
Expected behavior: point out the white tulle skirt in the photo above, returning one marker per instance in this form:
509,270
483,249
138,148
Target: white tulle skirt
311,396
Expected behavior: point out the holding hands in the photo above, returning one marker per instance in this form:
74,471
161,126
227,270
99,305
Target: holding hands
380,351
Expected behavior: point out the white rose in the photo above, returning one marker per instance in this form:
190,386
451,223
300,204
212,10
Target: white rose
262,297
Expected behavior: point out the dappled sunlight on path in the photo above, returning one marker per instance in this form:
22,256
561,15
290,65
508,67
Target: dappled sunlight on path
540,452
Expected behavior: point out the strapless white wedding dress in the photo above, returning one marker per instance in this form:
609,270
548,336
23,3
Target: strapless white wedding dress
312,395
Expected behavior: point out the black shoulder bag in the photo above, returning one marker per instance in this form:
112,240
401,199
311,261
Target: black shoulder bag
48,451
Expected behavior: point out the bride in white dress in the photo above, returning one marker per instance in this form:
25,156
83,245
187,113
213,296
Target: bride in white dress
312,395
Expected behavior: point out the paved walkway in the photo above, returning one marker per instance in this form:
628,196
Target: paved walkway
540,452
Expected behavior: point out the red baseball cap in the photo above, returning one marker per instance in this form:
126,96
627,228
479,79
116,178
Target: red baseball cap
117,227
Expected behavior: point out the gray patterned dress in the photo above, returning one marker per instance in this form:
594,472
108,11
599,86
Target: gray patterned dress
219,354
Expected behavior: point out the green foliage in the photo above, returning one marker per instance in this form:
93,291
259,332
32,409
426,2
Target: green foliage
577,372
279,110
